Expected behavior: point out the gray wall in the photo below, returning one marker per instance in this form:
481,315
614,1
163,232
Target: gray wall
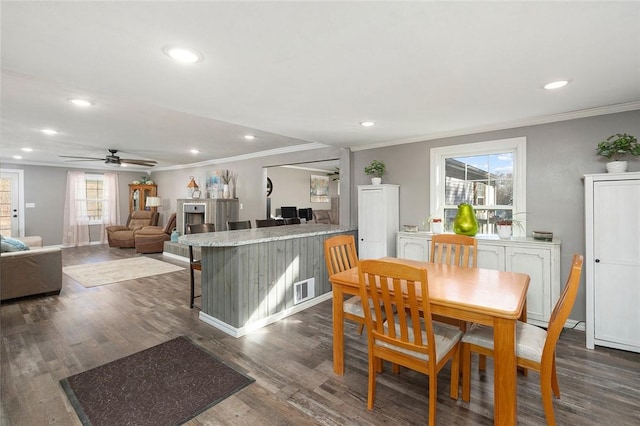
291,188
558,155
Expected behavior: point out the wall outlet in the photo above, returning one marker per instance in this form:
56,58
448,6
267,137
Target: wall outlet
30,205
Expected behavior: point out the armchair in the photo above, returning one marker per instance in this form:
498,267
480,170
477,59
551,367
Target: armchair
150,239
123,235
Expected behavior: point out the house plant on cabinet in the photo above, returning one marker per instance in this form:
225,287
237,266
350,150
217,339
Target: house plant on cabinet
615,148
376,169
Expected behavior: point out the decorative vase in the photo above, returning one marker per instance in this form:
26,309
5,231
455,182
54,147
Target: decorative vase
174,235
504,231
436,227
376,181
225,191
465,222
617,166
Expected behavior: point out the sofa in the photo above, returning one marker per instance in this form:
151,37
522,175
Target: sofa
37,271
124,235
150,239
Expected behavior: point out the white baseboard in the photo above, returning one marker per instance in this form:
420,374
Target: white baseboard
175,256
241,331
576,325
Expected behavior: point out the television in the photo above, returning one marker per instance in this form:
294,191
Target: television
288,212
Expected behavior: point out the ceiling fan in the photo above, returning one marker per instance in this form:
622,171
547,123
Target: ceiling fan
113,159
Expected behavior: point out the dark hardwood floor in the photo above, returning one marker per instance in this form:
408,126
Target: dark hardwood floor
47,339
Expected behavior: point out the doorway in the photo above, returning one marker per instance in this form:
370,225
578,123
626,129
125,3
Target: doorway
11,201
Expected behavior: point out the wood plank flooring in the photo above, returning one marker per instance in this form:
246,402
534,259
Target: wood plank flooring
47,339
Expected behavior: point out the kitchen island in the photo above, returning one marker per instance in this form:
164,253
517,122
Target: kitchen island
253,277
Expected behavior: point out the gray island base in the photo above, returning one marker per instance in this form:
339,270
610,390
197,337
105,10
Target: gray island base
253,277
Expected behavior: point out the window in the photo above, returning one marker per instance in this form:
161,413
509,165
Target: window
91,202
491,176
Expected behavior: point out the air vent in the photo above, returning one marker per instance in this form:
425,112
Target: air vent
303,290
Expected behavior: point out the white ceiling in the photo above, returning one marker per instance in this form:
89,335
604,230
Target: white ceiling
298,74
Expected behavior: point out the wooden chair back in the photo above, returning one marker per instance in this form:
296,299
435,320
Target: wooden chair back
563,308
340,253
453,249
199,228
242,224
265,223
394,290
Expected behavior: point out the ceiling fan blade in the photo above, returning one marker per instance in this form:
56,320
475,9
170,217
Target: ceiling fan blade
82,158
149,163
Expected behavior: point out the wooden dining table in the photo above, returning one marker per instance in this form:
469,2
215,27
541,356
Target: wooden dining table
483,296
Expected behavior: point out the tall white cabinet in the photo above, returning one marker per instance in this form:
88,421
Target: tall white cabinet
539,259
612,262
378,220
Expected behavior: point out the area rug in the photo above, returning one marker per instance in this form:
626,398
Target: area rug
113,271
167,384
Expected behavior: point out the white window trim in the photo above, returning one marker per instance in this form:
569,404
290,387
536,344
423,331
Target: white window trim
516,145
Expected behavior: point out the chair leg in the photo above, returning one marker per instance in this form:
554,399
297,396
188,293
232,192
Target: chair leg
373,366
360,329
192,288
482,362
545,391
554,379
433,397
455,374
466,372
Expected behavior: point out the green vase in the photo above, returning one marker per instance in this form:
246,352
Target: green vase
465,222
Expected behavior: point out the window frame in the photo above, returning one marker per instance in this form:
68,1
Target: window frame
517,146
86,200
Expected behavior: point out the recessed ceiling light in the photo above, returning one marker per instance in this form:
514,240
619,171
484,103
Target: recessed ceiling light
556,84
27,149
249,137
367,123
194,151
17,157
183,55
80,102
49,131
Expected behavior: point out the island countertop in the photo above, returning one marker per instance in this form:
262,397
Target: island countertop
259,235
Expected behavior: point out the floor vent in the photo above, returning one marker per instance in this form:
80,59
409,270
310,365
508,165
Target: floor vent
303,290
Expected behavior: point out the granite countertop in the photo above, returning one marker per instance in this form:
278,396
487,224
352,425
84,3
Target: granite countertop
259,235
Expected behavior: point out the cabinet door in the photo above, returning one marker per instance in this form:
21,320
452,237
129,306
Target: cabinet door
617,261
413,248
537,264
491,257
371,224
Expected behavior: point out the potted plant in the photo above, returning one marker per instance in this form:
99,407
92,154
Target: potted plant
504,227
616,147
376,169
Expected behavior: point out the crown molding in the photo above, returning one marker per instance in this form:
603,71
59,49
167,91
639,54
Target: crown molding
535,121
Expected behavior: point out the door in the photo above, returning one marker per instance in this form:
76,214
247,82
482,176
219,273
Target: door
371,224
11,214
616,261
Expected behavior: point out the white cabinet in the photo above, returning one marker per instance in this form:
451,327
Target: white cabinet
612,261
378,220
539,259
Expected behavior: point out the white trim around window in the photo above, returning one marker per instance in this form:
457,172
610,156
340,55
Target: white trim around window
517,146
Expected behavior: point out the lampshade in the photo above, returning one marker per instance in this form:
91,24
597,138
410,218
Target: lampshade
154,201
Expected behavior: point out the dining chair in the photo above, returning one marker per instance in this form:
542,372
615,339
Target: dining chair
265,223
458,250
339,255
242,224
453,249
196,264
408,337
535,347
292,221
